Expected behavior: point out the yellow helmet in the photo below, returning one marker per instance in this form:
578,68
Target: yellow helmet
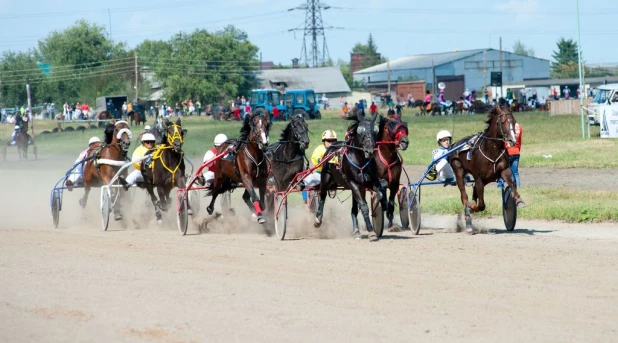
328,135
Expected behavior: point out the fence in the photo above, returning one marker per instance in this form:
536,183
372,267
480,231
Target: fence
561,107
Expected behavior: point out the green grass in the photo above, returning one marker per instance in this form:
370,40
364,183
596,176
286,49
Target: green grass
559,136
542,203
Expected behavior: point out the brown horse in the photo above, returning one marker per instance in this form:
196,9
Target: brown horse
22,140
104,115
166,169
108,158
392,135
136,117
486,160
250,166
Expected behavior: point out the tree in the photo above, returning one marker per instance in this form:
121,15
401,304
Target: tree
203,65
344,67
520,49
371,56
565,63
14,69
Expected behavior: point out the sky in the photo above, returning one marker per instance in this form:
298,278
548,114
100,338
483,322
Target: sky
399,28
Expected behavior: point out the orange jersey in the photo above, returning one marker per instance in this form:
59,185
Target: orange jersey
515,150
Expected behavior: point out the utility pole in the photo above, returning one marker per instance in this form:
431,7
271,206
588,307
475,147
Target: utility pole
579,58
388,67
30,116
260,60
485,69
136,79
109,14
314,29
501,65
433,76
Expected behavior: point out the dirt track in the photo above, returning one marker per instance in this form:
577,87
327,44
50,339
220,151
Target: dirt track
545,282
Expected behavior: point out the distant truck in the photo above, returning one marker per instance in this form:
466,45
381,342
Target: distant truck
265,99
302,101
603,110
117,101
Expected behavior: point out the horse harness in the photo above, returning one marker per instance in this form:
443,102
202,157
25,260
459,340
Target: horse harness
397,136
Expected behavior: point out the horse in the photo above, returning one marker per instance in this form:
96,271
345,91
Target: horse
250,166
354,170
107,158
392,135
479,107
22,140
287,156
486,160
136,117
166,168
104,115
158,130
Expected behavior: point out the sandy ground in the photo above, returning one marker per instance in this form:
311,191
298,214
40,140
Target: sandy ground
546,282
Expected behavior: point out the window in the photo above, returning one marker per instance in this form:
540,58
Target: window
275,98
602,96
310,99
300,99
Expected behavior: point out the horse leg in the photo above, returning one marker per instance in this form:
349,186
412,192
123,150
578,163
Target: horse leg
358,194
211,207
507,176
155,203
391,202
324,185
246,197
84,200
162,198
354,215
479,190
461,184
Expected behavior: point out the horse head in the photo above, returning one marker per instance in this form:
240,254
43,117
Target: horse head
122,135
175,135
259,130
300,131
398,133
365,136
501,125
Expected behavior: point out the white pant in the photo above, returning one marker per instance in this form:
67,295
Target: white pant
313,179
134,177
77,173
467,103
209,176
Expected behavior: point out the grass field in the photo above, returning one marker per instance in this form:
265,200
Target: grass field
558,136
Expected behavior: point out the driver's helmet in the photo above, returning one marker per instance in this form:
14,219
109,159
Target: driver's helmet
148,137
17,127
329,135
94,139
443,134
220,139
147,127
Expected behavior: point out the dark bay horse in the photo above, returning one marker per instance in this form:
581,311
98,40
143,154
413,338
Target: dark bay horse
136,117
392,135
250,166
166,169
287,156
109,156
354,170
104,115
22,140
486,160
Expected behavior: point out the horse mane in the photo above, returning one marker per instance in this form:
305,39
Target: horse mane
381,126
490,117
109,133
286,131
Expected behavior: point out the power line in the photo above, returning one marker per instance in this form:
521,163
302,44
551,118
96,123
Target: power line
72,67
505,11
69,78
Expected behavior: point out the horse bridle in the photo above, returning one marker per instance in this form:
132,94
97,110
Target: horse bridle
505,135
176,135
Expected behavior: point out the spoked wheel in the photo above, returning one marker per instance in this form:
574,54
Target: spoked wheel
377,215
414,211
55,207
281,215
404,216
194,201
313,199
509,209
226,202
106,206
183,213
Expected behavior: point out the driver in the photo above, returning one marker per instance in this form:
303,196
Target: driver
148,141
77,175
208,172
147,129
14,134
443,168
328,138
442,101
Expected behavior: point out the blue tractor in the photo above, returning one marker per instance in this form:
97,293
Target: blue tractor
263,100
302,102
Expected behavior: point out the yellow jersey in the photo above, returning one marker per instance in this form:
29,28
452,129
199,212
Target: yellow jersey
139,152
317,156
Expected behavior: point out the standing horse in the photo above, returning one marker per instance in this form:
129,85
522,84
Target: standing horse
108,158
287,156
136,117
355,170
486,160
392,135
249,166
166,169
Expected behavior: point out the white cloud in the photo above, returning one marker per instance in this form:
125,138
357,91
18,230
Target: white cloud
522,10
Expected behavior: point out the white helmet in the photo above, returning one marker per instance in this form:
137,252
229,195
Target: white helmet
147,127
148,137
443,134
328,135
17,127
220,139
94,139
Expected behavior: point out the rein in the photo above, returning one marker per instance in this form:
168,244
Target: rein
158,155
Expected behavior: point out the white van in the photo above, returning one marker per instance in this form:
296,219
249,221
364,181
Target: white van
607,95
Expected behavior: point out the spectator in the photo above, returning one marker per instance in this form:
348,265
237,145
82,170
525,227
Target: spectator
177,109
236,111
373,108
65,110
198,105
514,152
191,107
567,93
247,109
125,109
275,113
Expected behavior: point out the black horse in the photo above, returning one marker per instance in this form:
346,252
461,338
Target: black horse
355,170
287,156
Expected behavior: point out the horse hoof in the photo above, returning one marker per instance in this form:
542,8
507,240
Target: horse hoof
520,203
373,237
261,219
317,222
190,212
470,230
209,210
160,222
117,216
82,203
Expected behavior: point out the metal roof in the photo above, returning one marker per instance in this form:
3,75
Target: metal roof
321,80
422,61
594,81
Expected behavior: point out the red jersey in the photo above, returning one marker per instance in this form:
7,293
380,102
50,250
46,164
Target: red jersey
275,112
515,150
373,108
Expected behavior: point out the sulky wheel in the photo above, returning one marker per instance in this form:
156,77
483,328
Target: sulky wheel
509,209
182,218
106,207
377,215
404,214
55,207
414,212
281,215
